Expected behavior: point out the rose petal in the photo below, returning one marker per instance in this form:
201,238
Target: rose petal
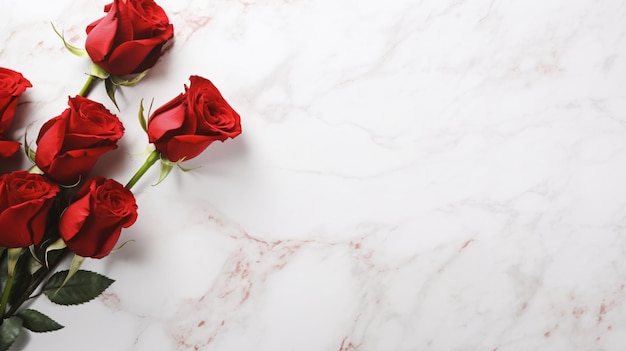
164,120
8,148
73,218
100,39
188,146
129,56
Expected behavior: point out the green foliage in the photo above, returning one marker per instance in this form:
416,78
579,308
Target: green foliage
10,329
38,322
23,278
74,50
128,83
83,287
110,89
98,72
166,168
142,118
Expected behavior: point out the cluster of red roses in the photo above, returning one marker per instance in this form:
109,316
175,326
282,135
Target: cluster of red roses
68,147
57,201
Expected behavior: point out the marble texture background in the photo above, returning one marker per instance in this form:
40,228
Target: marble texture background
412,175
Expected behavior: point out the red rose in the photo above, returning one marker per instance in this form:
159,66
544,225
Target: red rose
130,37
92,224
12,85
69,145
188,124
25,200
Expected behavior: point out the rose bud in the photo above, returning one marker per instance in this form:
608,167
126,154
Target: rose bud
25,200
69,145
182,128
129,38
92,224
12,85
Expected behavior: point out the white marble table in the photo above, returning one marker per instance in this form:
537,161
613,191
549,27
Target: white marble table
412,175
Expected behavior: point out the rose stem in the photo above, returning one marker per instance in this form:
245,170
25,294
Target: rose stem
151,160
7,291
41,275
85,89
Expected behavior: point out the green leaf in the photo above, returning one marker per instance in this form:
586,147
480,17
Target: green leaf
74,50
110,88
83,287
9,331
38,322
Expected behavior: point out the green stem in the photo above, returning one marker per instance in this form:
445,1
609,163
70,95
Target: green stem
151,160
7,291
13,255
38,278
85,89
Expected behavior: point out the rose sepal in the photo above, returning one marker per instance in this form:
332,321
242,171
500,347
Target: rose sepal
77,261
110,88
166,168
143,122
117,80
122,245
183,168
111,83
59,244
71,48
13,255
35,170
35,264
98,72
95,72
30,153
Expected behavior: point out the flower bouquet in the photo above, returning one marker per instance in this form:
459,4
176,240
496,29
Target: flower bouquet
57,213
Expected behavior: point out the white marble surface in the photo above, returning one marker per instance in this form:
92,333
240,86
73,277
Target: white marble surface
412,175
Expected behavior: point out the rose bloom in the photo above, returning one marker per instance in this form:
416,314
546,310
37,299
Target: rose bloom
12,85
130,37
182,128
69,145
25,200
92,224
